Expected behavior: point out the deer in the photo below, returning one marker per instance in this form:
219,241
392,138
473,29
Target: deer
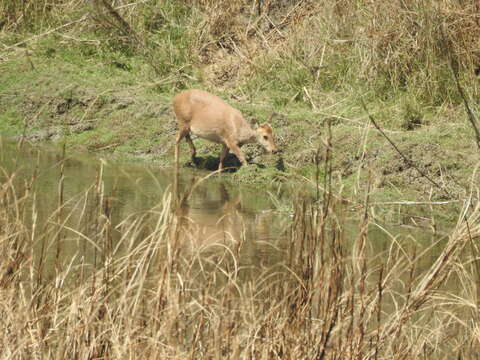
207,116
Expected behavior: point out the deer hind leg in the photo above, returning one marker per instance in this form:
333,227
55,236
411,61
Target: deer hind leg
184,132
192,147
223,154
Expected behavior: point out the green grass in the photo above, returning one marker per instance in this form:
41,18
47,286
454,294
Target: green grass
131,114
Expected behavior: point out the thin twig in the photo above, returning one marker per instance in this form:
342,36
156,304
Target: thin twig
307,94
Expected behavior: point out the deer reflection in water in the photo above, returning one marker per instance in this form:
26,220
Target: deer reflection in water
209,215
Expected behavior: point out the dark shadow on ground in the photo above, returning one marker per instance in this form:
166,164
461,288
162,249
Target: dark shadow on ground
211,163
279,165
231,163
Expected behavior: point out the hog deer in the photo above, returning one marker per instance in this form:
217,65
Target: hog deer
209,117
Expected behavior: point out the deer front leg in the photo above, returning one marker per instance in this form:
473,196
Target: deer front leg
236,150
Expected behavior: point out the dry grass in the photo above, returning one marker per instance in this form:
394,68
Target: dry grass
75,285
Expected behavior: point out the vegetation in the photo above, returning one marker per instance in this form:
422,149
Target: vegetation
79,283
371,101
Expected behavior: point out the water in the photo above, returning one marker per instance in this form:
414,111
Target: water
216,213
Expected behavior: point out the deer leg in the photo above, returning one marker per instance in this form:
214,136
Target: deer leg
181,134
192,147
223,154
236,150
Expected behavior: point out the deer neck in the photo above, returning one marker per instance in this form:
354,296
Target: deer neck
248,137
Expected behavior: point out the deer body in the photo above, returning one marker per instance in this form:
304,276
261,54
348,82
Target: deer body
209,117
